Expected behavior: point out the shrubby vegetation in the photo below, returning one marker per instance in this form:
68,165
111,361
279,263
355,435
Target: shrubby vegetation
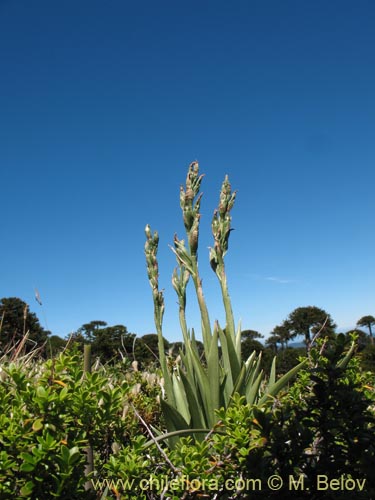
53,413
107,415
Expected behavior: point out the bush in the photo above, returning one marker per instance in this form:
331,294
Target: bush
324,425
51,413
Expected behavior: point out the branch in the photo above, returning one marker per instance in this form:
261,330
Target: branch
162,452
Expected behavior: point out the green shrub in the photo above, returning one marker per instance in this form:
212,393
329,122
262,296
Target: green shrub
51,413
324,425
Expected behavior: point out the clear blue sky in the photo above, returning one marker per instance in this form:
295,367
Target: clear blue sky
103,105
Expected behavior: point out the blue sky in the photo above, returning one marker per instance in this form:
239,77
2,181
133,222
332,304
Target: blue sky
105,104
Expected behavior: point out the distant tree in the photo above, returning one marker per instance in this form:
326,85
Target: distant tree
308,321
249,344
89,330
15,321
283,333
288,358
146,349
112,342
107,342
272,342
76,340
176,346
250,334
367,357
367,321
55,345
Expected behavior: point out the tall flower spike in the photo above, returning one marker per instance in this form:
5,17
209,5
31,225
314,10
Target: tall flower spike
151,249
221,222
189,208
190,386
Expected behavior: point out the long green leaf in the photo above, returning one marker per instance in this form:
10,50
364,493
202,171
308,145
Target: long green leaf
204,387
195,408
253,371
224,396
272,379
273,389
239,385
234,360
226,364
252,390
238,340
213,371
251,365
173,420
180,397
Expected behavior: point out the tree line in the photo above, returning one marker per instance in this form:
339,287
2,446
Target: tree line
113,343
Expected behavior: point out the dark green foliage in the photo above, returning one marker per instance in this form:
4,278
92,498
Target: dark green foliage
306,321
249,343
323,426
90,330
111,344
177,346
108,343
146,349
76,341
283,334
363,338
367,358
16,321
286,358
250,334
369,322
289,357
55,344
272,342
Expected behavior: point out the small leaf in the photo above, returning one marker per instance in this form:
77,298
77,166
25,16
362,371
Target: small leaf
41,392
27,489
38,425
63,393
65,453
29,462
27,457
26,467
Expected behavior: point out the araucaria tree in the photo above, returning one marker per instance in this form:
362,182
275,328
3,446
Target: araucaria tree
367,321
107,342
308,321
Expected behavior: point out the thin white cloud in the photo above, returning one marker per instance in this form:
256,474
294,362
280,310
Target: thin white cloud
278,280
275,279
